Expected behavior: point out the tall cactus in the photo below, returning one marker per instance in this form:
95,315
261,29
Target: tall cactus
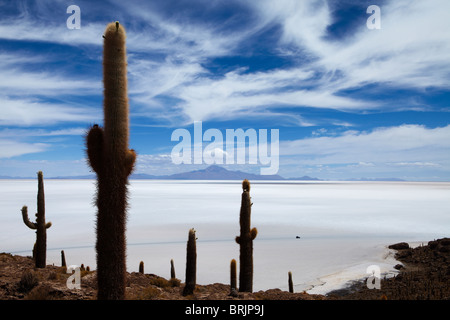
191,264
40,247
110,158
245,240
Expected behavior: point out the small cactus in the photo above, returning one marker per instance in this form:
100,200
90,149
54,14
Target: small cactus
40,247
141,267
233,278
174,282
245,240
290,283
191,264
172,270
63,259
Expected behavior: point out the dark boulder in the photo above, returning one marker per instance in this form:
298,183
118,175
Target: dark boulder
399,246
432,244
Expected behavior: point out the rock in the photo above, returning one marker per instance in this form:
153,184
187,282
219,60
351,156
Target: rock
403,254
399,277
234,293
441,245
399,246
432,244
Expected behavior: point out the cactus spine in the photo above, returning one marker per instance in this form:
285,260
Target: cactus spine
290,282
191,264
245,240
110,158
40,247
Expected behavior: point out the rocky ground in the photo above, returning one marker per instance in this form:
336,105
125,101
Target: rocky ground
424,274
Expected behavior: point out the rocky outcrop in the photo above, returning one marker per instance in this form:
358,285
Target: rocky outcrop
399,246
423,275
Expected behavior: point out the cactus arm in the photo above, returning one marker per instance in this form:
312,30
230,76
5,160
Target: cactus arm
94,144
26,220
48,225
130,159
253,233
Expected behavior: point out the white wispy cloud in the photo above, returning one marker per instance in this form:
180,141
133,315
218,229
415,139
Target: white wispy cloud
401,54
236,92
403,144
15,142
410,50
46,29
11,148
25,93
11,133
169,79
16,82
32,112
415,164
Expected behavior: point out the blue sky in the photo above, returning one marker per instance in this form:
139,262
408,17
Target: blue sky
348,101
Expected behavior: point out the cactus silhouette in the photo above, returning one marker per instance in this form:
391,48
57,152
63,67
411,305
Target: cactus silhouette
63,259
141,267
245,241
110,158
191,264
172,270
40,247
233,278
290,283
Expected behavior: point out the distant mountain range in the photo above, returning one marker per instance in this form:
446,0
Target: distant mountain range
375,179
210,173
